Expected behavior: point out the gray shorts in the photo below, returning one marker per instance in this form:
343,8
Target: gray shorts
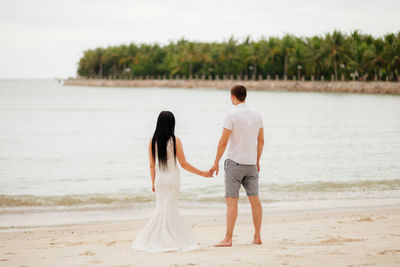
240,174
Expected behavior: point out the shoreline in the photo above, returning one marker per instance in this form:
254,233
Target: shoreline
370,87
19,220
325,237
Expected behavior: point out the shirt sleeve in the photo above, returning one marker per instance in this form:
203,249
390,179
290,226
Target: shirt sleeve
228,122
261,125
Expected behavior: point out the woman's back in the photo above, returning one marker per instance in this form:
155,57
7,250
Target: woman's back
168,180
171,159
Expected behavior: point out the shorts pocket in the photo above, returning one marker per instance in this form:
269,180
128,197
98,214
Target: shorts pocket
229,164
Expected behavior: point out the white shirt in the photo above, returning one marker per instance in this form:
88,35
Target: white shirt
245,125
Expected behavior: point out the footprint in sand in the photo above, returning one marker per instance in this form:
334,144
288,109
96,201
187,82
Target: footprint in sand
111,243
387,251
362,264
335,253
243,245
365,219
12,253
339,240
287,241
87,253
290,256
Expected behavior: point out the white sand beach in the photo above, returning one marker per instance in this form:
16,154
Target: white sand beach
330,237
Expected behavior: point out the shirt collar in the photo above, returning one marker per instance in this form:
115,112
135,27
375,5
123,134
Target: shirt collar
241,105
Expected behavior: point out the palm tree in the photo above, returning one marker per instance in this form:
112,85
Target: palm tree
228,55
203,52
256,48
244,56
271,51
377,61
391,52
189,56
334,50
360,56
287,45
215,54
299,57
313,63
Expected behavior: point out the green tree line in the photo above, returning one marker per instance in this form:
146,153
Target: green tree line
334,56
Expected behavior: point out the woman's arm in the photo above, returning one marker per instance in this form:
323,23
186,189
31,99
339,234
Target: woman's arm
152,162
186,165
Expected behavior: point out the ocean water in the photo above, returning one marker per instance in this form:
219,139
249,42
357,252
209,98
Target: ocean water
80,153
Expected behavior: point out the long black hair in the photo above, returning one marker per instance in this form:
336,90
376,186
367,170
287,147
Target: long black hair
165,130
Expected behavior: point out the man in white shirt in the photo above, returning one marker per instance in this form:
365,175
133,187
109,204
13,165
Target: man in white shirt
243,133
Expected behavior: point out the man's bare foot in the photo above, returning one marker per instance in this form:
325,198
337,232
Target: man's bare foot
223,243
257,240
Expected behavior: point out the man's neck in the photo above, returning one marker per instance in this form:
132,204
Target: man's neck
239,102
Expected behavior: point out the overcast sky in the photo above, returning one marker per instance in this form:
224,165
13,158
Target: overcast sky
46,38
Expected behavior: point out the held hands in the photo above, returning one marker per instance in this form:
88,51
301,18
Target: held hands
207,174
215,168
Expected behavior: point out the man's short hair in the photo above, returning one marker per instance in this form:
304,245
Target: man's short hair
239,91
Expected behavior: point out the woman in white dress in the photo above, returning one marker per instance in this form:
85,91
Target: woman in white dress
166,230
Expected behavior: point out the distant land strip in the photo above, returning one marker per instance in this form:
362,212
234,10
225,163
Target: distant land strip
370,87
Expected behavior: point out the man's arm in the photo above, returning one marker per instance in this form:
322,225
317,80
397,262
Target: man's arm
260,146
223,141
